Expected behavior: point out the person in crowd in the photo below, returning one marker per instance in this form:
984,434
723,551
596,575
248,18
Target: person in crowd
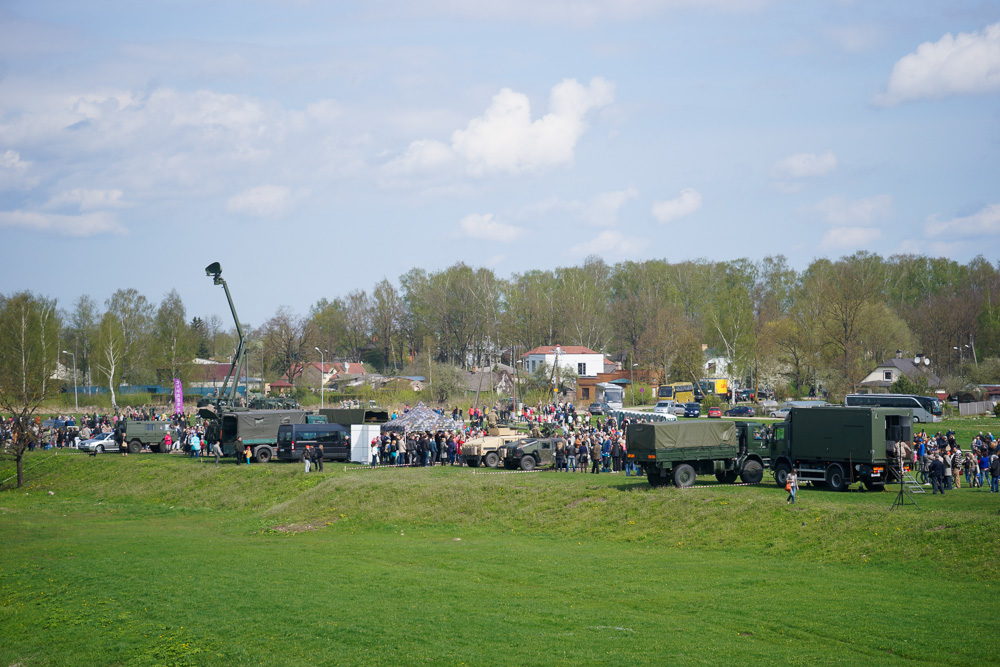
307,457
792,486
936,473
217,452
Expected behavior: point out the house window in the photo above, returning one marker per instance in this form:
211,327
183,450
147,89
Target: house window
887,376
586,393
581,369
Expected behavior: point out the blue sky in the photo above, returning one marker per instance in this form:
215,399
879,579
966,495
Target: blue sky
316,147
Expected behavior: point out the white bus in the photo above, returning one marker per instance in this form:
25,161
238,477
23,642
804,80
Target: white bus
925,408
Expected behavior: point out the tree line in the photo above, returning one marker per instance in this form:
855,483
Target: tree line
825,326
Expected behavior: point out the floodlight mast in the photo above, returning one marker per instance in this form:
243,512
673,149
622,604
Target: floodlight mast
228,394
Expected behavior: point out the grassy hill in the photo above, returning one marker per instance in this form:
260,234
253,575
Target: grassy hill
151,560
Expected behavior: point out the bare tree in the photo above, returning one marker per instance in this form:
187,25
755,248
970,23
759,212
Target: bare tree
29,348
287,343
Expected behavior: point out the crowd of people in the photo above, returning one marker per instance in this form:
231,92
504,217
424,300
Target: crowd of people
581,444
941,463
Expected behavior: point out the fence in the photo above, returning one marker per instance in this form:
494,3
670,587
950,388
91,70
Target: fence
978,408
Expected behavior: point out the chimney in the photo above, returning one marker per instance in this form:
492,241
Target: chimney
899,354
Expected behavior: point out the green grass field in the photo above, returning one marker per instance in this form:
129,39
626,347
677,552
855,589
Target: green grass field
161,560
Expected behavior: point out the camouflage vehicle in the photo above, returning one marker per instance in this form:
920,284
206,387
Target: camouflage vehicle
838,446
487,449
258,429
677,452
530,453
151,434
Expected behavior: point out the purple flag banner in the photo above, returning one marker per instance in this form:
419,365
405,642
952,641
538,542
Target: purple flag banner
178,397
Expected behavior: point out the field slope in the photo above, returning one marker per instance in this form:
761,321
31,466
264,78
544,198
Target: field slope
161,560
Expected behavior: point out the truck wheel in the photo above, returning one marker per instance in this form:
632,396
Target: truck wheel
684,476
873,486
835,477
492,460
781,474
727,477
472,461
263,455
653,475
752,473
134,447
527,463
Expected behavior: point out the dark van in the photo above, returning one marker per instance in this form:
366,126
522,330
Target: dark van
333,438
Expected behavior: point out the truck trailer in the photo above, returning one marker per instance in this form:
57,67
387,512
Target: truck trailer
677,452
838,446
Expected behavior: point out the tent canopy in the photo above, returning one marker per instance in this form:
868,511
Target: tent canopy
422,418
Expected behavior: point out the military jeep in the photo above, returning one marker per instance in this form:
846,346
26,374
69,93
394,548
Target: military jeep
530,453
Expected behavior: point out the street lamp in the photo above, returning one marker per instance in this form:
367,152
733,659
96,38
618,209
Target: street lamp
76,399
322,370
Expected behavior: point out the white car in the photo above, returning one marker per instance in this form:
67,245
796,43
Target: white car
104,442
780,413
666,408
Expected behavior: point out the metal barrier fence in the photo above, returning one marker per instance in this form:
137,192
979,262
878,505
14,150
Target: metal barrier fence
977,408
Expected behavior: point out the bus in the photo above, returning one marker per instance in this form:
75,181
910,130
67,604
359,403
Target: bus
714,386
681,392
925,408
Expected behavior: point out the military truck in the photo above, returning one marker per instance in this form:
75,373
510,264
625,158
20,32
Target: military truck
677,452
146,433
257,428
838,446
486,449
529,453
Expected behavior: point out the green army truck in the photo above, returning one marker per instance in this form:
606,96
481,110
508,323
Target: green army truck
257,428
838,446
677,452
150,434
530,453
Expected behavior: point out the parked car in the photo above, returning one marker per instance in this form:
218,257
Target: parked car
599,409
692,410
780,413
104,442
740,411
715,413
666,408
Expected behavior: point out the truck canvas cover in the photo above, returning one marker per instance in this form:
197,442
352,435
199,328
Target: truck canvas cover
675,439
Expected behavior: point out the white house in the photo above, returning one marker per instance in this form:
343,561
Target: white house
580,360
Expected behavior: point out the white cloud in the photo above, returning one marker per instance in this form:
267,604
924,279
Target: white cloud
506,139
263,201
985,222
805,165
13,171
89,224
484,227
839,211
87,200
422,156
850,237
684,204
610,243
961,64
601,210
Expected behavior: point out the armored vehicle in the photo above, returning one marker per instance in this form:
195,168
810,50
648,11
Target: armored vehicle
679,451
530,453
486,449
146,433
257,428
837,446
